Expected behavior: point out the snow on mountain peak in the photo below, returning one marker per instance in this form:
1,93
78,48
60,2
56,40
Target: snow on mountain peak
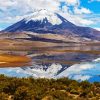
42,14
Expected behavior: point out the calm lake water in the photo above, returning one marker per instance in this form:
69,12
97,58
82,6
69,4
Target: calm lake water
66,56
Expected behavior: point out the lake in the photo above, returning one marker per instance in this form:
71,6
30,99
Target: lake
40,60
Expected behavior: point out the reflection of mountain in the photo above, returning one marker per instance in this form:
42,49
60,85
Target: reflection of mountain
84,71
43,21
65,59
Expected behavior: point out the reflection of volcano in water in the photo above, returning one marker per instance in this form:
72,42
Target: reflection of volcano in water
84,71
51,64
59,62
66,56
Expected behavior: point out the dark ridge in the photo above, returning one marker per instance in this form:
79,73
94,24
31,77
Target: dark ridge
35,38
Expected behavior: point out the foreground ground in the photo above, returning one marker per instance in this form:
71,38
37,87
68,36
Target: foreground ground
47,89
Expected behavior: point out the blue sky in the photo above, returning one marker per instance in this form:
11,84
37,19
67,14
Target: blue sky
80,12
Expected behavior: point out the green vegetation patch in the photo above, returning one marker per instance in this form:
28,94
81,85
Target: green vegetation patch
12,88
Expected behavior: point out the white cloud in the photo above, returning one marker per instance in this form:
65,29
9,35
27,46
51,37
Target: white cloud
94,0
97,28
77,19
83,71
82,11
71,2
0,29
79,68
82,21
30,5
82,77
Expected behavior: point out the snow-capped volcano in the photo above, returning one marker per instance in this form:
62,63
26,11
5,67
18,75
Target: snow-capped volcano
44,21
44,16
41,21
